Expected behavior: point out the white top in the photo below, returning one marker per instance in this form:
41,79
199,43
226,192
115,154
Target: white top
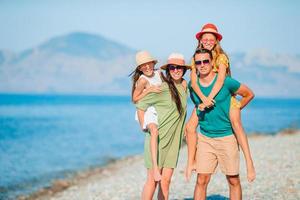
154,80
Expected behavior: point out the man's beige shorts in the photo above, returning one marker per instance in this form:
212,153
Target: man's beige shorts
223,151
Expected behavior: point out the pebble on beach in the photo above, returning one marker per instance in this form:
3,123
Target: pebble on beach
276,160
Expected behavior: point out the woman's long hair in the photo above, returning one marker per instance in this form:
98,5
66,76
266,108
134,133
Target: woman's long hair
216,51
174,92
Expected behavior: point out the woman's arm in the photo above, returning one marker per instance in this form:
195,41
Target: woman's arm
152,98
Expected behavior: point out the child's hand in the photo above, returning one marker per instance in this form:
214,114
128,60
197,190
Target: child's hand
201,107
208,102
154,89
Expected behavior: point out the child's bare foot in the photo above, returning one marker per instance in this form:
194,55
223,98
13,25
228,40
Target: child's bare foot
251,174
156,174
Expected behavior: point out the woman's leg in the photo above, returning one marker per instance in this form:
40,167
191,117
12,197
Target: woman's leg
191,139
149,187
235,118
163,192
153,149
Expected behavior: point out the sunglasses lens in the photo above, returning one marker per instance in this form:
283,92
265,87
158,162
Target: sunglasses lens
205,61
199,62
173,67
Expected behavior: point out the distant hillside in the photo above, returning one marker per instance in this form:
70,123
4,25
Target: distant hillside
84,63
73,63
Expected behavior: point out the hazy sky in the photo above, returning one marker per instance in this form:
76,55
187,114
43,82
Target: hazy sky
159,26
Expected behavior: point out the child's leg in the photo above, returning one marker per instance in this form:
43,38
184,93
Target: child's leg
153,149
191,139
140,117
235,118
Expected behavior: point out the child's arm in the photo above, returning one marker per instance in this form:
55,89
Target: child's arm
220,81
247,96
140,91
207,102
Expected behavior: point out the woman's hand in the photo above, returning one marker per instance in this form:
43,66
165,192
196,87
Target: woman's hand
154,89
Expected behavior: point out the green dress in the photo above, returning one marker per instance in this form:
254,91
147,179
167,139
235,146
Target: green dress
171,125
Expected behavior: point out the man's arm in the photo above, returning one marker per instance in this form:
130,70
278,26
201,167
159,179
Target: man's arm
246,93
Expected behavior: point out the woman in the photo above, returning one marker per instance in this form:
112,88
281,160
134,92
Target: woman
170,105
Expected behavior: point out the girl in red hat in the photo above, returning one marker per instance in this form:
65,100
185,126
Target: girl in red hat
209,38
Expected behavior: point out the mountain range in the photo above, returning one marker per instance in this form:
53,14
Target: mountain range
83,63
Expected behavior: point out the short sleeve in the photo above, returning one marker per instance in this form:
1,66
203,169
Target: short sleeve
232,84
222,59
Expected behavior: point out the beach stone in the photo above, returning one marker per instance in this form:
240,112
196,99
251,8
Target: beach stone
276,160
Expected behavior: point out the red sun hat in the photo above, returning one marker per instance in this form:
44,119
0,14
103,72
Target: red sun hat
209,28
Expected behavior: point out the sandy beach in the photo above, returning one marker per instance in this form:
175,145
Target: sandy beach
276,160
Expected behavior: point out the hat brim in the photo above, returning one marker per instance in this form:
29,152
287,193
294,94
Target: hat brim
218,35
155,61
164,67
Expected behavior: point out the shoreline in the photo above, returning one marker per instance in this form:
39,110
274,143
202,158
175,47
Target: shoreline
111,173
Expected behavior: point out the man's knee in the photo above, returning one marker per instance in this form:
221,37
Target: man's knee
203,180
234,180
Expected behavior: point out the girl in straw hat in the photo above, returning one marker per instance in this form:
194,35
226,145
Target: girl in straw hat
144,81
209,38
170,105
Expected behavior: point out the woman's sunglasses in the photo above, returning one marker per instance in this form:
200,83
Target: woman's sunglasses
173,67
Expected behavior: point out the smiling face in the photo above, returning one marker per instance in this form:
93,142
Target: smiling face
203,63
208,41
147,69
176,72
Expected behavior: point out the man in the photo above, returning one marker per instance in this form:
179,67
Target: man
216,144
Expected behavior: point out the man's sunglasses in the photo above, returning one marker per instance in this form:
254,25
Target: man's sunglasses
173,67
199,62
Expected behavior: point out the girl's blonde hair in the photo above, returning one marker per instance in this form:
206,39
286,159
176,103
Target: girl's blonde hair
216,52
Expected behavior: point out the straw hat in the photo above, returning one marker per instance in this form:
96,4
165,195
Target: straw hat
209,28
175,59
143,57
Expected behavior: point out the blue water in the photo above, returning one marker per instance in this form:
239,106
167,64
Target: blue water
43,138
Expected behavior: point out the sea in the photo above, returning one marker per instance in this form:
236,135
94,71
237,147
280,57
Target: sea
49,137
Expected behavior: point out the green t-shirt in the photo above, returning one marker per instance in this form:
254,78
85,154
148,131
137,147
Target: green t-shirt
215,121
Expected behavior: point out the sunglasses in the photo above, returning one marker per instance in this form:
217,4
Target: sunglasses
206,41
199,62
173,67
